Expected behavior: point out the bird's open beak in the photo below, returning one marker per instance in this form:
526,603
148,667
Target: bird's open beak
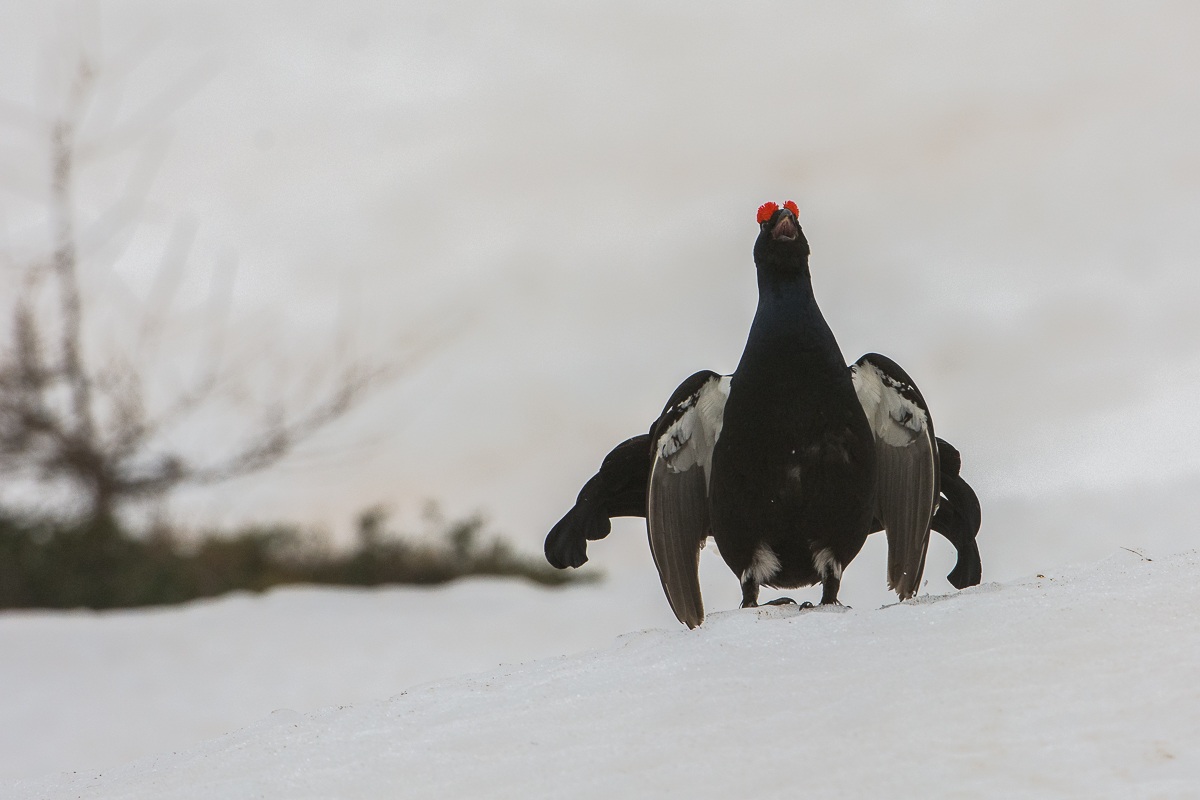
785,229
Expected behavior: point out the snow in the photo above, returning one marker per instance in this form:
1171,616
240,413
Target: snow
1079,682
99,689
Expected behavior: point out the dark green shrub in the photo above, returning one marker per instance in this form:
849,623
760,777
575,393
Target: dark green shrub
99,565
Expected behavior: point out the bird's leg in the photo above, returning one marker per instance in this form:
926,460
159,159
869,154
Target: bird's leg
830,584
830,570
749,593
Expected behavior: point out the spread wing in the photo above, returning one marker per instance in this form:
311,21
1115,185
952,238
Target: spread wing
906,485
677,502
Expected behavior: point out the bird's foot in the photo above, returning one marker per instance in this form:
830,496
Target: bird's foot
787,601
779,601
835,604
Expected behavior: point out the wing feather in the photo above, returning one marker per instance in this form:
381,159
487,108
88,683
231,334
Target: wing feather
617,490
906,485
677,502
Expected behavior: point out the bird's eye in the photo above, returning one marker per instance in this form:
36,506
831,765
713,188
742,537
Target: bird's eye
766,211
791,206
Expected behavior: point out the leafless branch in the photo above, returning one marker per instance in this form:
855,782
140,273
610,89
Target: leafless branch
79,415
65,253
279,436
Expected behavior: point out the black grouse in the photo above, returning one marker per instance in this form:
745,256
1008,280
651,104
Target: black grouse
789,463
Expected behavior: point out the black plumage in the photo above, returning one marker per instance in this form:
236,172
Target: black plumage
618,489
789,463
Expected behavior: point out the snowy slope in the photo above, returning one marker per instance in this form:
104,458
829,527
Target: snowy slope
1075,684
86,691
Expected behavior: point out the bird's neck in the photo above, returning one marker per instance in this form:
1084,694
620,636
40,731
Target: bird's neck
792,288
789,329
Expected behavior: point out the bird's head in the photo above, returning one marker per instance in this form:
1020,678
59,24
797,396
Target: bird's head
781,244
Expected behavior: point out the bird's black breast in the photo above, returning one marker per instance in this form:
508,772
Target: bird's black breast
792,469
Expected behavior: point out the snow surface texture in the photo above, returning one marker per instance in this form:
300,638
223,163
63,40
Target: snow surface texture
85,691
1080,683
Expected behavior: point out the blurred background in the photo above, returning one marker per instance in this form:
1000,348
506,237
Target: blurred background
510,232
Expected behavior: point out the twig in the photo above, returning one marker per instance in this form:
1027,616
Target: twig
1142,556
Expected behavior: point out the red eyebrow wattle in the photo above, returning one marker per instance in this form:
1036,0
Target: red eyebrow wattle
766,211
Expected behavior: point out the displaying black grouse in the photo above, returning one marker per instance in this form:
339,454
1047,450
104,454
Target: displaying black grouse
789,463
